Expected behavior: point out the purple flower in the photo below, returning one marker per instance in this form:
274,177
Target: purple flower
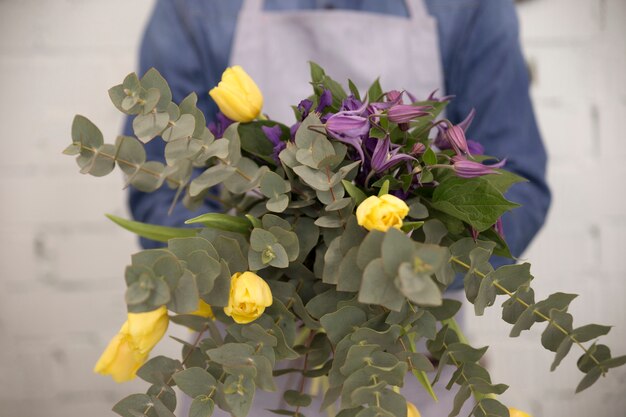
218,127
350,104
305,107
349,127
386,155
418,149
475,148
404,113
499,228
326,99
454,136
273,134
465,168
432,97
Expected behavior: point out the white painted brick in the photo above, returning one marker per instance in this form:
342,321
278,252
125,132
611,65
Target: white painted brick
563,21
560,72
83,25
559,123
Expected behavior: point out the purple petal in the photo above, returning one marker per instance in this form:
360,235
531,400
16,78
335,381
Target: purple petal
475,148
404,113
465,168
326,99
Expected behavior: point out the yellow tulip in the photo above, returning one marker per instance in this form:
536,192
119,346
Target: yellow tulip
120,359
146,329
204,310
249,295
130,348
411,410
381,213
237,96
514,412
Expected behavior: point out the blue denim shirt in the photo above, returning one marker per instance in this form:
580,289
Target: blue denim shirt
189,42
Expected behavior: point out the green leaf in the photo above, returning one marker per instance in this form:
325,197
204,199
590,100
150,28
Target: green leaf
561,352
378,288
159,369
151,231
486,295
224,222
552,336
460,398
511,277
297,399
86,133
210,177
475,201
417,287
184,295
492,408
588,380
590,332
148,126
354,90
195,382
238,394
429,157
181,129
375,92
384,189
153,79
201,407
341,322
132,406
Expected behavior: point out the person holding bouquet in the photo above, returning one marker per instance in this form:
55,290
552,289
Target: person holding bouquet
466,48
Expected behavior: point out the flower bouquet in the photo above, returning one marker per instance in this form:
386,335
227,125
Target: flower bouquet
339,237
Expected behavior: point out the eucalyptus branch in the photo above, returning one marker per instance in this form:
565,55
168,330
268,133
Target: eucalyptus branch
475,394
526,305
185,359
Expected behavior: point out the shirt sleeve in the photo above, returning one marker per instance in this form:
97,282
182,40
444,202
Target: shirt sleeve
171,46
490,75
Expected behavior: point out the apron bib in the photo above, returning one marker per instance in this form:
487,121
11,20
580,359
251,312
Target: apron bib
275,48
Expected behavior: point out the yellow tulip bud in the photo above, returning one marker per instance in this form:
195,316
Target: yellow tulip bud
381,213
237,96
514,412
120,359
146,329
204,310
130,348
249,295
411,410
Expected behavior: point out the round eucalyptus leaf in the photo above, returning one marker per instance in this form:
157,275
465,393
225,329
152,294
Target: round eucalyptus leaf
148,126
130,154
182,128
148,177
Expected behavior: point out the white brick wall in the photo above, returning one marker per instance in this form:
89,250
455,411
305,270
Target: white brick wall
59,305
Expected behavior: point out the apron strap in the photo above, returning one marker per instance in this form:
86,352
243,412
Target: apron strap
417,10
251,7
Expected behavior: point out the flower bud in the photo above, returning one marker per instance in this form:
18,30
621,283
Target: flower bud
465,168
514,412
237,96
249,295
381,213
204,310
130,348
411,410
404,113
